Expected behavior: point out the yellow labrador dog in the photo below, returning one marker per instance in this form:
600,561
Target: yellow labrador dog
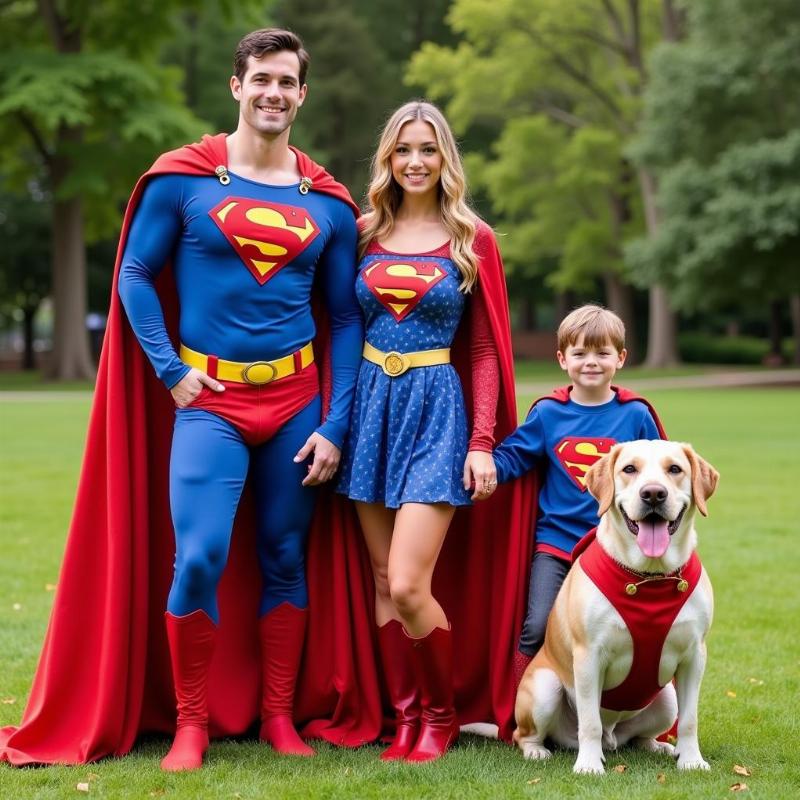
631,616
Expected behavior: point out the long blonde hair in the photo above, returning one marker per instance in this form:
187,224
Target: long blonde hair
384,195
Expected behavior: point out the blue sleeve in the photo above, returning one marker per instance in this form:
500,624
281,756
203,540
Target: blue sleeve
154,231
518,452
338,267
648,428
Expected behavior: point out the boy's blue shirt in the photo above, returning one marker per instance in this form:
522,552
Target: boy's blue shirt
563,440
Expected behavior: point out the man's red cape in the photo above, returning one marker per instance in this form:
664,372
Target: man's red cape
104,675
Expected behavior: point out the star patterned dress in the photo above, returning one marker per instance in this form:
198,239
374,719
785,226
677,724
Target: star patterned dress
408,434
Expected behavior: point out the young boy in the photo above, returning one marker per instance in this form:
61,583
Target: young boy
562,437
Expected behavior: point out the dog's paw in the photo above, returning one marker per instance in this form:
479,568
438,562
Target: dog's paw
695,761
534,751
653,746
588,765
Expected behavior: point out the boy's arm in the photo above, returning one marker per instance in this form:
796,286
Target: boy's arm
518,452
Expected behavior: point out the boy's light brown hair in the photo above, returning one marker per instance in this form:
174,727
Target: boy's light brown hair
596,324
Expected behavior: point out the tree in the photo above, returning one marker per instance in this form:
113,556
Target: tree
579,68
722,129
86,102
24,260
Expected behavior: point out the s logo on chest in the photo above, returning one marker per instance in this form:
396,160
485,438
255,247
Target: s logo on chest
400,285
578,453
265,235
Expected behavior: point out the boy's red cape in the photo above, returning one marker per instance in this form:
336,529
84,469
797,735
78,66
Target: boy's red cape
104,676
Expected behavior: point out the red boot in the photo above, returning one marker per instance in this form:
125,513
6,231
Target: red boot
395,647
191,645
521,662
433,662
282,635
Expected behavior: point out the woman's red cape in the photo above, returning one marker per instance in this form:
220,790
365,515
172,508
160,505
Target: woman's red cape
104,677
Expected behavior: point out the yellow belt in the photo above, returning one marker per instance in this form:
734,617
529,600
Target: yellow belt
394,363
254,372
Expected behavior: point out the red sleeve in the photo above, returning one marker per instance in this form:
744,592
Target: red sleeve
485,377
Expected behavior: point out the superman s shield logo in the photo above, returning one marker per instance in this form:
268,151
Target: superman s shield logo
578,453
265,235
400,285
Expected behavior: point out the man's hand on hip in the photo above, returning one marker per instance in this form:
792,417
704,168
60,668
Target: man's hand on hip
326,459
185,391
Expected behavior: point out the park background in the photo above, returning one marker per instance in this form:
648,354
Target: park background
640,153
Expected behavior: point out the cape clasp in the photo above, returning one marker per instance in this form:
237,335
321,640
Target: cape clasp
305,184
222,173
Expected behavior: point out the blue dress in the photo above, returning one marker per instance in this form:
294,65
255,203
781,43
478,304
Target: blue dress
408,434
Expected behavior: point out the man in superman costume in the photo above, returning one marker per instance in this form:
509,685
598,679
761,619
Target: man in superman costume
105,674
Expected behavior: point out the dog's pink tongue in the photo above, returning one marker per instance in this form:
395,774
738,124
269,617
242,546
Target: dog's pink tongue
653,538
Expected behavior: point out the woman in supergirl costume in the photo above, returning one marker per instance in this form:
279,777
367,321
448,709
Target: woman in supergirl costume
409,461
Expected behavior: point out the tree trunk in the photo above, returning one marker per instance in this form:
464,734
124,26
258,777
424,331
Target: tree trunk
28,359
527,314
662,336
71,358
775,356
565,302
619,298
794,307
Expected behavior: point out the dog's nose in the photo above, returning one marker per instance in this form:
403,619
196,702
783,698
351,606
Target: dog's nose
653,493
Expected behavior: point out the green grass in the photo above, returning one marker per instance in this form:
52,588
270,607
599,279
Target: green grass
748,545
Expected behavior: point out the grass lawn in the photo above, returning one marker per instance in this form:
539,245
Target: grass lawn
749,710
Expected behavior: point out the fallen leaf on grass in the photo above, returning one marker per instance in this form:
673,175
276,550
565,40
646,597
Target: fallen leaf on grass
17,606
533,781
49,587
82,787
730,693
620,768
740,770
756,681
158,793
661,777
9,701
347,771
92,776
739,787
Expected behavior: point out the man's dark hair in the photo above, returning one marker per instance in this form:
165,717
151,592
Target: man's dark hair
269,40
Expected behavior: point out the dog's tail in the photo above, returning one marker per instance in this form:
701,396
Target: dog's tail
486,729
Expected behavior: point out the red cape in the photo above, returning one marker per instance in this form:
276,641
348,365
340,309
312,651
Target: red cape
104,676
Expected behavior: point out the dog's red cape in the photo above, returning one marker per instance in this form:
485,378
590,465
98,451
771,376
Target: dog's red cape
104,676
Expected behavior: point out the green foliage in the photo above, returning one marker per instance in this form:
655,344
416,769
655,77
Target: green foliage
560,91
358,53
723,128
705,348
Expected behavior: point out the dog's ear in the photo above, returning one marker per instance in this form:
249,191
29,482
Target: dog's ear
600,479
704,479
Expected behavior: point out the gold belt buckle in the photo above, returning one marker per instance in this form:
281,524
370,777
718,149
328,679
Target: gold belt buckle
395,364
259,378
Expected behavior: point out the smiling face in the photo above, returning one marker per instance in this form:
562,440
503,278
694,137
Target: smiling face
269,93
591,368
650,490
416,160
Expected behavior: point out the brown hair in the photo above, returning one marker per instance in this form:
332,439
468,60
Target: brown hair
269,40
596,324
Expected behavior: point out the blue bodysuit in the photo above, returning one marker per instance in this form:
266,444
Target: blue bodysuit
408,436
244,256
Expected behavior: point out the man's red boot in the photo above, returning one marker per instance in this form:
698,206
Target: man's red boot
191,645
433,662
401,680
282,635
